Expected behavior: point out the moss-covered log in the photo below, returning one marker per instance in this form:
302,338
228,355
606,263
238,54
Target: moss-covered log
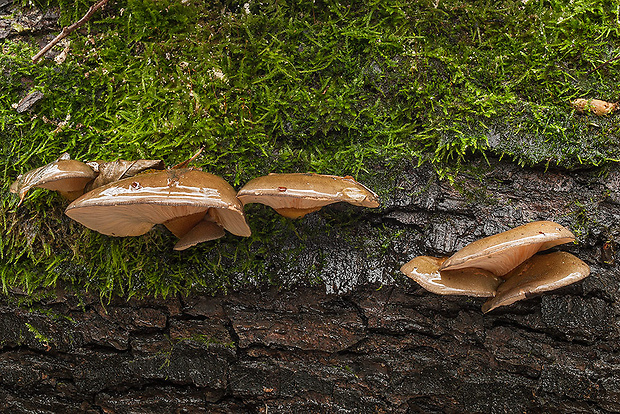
372,347
426,102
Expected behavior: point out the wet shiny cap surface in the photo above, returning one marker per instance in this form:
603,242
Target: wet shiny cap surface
503,252
63,175
471,282
131,206
541,273
305,192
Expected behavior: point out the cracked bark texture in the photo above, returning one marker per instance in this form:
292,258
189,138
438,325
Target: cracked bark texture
370,347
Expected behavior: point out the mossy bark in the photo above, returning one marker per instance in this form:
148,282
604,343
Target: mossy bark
317,317
371,347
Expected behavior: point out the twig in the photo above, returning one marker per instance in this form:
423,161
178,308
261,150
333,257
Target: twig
67,30
603,64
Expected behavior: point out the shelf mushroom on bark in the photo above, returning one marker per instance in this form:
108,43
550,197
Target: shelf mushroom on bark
538,274
179,199
504,251
508,259
296,194
67,176
471,282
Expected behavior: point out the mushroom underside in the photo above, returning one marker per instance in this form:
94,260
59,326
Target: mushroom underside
232,220
471,282
540,273
204,231
286,200
129,219
69,188
181,225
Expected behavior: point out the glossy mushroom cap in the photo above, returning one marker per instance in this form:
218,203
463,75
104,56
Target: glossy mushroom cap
110,171
541,273
295,195
471,282
502,252
67,176
177,198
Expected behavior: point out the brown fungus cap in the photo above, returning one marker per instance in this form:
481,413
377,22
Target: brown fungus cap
297,194
67,176
540,273
502,252
471,282
177,198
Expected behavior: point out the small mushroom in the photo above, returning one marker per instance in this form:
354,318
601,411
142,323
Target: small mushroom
109,171
180,199
203,231
596,106
502,252
471,282
540,273
67,176
295,195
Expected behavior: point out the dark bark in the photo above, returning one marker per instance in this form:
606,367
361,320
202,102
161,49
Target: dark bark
394,349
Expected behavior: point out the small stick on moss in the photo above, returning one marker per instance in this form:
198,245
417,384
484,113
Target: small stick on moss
603,64
67,30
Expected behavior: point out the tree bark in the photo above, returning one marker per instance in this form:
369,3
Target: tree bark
371,347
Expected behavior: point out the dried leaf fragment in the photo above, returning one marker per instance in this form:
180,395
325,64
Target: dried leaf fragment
28,101
596,106
110,171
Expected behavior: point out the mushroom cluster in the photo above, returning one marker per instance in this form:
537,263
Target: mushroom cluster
504,267
127,198
73,178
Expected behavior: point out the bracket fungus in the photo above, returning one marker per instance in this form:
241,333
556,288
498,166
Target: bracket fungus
180,199
297,194
471,282
540,273
503,266
68,177
502,252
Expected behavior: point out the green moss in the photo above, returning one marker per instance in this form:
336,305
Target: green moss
353,88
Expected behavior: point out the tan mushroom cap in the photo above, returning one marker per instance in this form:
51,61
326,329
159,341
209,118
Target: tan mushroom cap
297,194
502,252
541,273
471,282
177,198
67,176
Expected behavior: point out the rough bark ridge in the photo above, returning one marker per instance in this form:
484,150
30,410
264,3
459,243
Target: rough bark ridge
395,349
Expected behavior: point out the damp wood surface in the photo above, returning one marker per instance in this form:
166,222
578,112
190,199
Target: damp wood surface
364,90
365,340
456,113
